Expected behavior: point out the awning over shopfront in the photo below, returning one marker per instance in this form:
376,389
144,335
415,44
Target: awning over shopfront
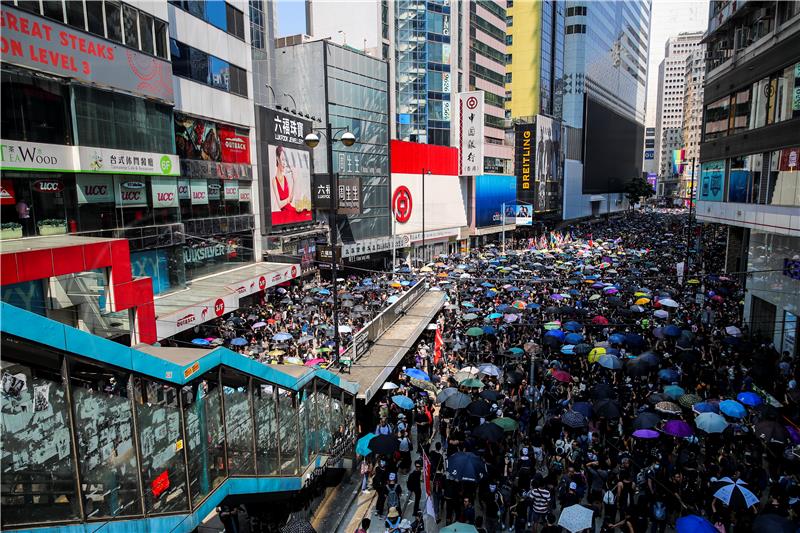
214,296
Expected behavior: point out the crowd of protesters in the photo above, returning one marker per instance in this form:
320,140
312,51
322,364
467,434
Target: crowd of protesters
582,380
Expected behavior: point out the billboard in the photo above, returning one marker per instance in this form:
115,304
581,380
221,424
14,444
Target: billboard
611,161
45,45
522,215
285,158
678,162
211,150
712,181
524,145
470,133
547,165
491,192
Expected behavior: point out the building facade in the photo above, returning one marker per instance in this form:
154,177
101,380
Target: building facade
605,75
749,177
670,108
691,133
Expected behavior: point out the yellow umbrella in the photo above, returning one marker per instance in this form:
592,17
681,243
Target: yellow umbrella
589,281
275,352
642,301
439,265
639,294
426,269
442,274
693,282
595,354
395,284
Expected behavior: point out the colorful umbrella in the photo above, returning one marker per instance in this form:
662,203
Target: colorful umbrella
710,423
417,374
735,494
560,375
694,524
750,399
508,424
732,408
362,445
646,434
678,428
474,332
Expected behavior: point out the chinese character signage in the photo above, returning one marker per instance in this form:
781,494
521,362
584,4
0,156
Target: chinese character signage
349,197
108,160
470,129
286,166
524,145
321,187
45,45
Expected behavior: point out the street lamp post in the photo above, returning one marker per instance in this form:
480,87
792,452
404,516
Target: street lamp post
312,140
689,225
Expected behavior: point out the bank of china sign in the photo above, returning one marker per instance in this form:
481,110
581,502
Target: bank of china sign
20,155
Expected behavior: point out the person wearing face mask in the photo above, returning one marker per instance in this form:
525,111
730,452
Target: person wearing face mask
380,477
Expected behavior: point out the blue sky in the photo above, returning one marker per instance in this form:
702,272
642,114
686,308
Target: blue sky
291,17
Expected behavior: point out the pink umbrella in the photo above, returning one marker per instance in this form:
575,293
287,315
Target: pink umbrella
314,362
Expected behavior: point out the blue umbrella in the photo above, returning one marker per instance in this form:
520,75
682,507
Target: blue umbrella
694,524
732,408
669,375
634,340
503,308
367,281
238,341
584,408
324,292
705,407
616,338
486,284
392,299
751,399
672,330
466,466
573,338
362,445
568,349
611,362
282,336
403,402
674,392
489,330
416,373
404,270
710,422
405,283
200,342
573,326
557,333
494,316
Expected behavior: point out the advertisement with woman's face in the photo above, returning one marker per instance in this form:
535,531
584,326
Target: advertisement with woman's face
290,185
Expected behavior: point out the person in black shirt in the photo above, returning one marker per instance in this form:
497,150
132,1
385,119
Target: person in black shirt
414,484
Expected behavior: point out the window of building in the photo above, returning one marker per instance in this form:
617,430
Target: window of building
75,16
146,33
218,13
235,20
130,24
113,21
717,116
35,109
202,67
94,17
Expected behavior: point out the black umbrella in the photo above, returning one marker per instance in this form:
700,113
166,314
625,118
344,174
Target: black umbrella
606,408
646,420
773,523
466,466
298,525
574,419
458,400
766,411
637,367
582,348
601,391
384,444
658,397
479,408
489,431
490,395
514,378
771,432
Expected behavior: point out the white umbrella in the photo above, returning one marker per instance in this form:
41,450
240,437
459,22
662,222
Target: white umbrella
660,313
390,386
345,329
432,326
668,302
575,518
733,331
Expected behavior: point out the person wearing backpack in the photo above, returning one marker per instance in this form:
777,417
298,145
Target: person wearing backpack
393,492
660,514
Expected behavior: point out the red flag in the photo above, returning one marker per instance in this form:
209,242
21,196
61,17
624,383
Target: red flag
426,473
437,346
591,242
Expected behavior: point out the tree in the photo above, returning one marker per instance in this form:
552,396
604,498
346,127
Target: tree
636,189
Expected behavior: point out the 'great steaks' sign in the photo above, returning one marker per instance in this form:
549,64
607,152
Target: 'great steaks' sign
35,42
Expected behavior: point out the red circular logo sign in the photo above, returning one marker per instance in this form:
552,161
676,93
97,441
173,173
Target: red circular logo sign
294,271
219,307
262,283
472,102
402,204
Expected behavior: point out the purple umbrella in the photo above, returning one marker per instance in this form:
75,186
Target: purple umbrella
511,318
611,290
556,297
794,435
259,325
646,434
678,428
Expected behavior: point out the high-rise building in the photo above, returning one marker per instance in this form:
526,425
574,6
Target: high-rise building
750,154
669,109
605,75
535,56
422,42
694,76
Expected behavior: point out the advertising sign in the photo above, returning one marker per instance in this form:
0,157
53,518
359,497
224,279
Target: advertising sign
524,145
245,194
131,192
211,150
652,179
470,133
349,197
289,185
230,190
45,45
649,155
110,161
94,189
444,203
491,191
199,192
677,162
547,164
712,181
183,190
7,193
286,159
322,191
522,215
20,155
164,192
214,191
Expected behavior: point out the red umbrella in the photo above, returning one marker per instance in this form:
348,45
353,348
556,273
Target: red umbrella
562,376
600,321
316,361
